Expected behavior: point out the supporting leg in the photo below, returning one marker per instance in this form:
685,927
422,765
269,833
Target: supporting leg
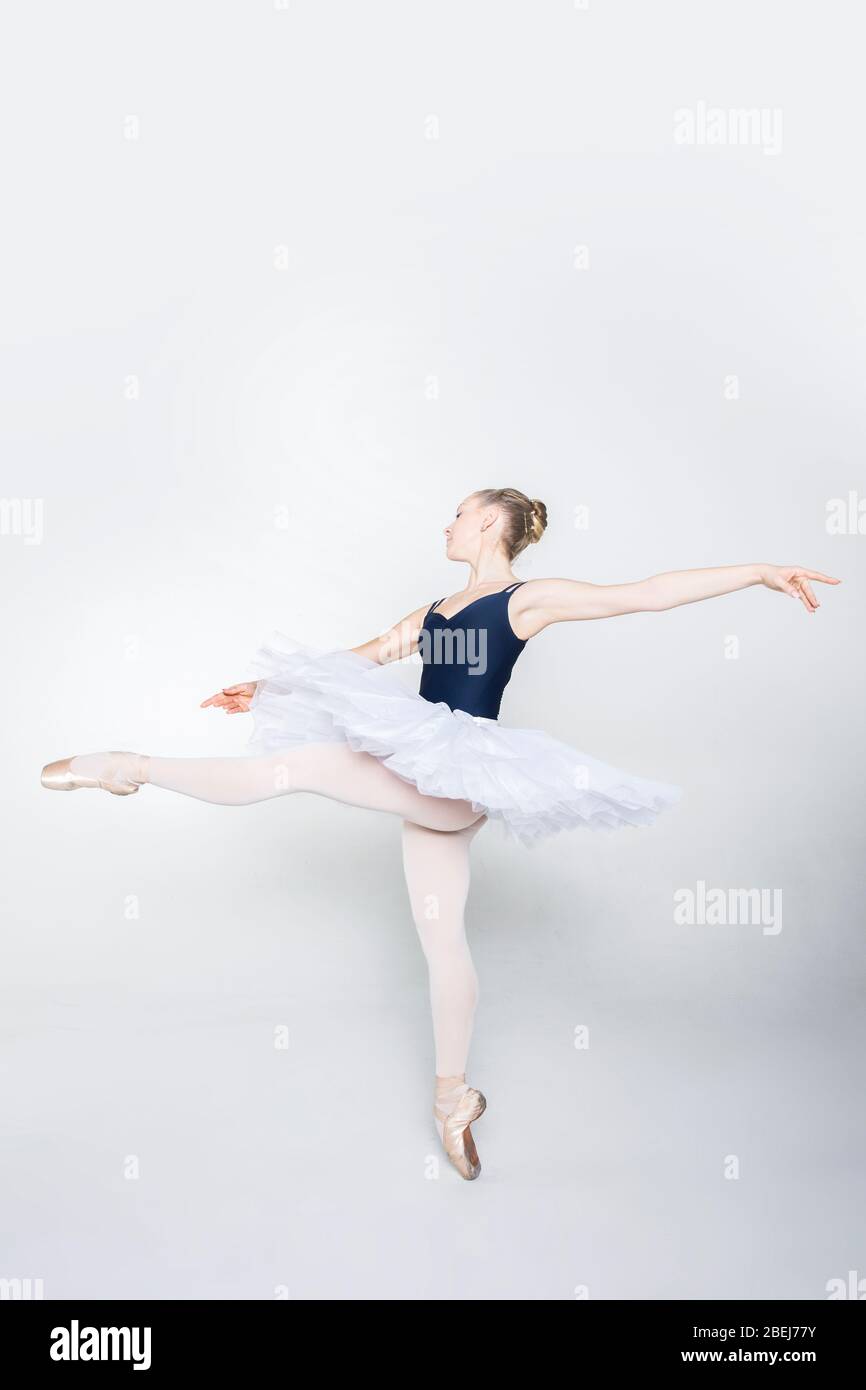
436,868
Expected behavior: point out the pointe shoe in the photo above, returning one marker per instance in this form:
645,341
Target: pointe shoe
457,1136
59,777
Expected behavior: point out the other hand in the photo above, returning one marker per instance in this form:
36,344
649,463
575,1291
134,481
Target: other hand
234,699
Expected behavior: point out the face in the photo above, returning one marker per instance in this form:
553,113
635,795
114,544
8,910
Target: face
463,535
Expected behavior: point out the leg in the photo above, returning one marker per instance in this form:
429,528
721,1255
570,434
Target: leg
436,867
328,769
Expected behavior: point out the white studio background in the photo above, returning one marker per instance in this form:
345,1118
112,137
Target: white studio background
281,285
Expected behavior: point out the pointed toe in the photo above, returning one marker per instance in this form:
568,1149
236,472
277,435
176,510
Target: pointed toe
457,1136
60,777
57,776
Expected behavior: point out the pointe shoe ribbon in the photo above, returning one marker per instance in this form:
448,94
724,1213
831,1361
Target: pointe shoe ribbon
457,1136
59,777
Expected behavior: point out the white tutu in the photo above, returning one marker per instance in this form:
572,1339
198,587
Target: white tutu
531,783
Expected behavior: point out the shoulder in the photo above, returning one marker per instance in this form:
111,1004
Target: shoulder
532,606
525,608
532,593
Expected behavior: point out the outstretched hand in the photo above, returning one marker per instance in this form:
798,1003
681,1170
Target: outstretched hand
794,581
234,699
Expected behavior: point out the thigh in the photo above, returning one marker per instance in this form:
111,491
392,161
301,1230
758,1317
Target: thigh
360,779
436,866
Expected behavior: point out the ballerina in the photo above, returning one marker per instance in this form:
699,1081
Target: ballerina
342,724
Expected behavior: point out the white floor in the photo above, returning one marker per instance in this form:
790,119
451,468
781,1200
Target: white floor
311,1170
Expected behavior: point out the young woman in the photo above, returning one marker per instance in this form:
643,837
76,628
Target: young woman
341,724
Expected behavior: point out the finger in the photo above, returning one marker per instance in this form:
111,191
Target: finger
809,607
824,578
809,592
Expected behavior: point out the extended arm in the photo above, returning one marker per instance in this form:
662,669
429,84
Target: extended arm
543,601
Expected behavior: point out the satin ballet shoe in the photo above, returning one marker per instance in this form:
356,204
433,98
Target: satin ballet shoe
457,1136
59,777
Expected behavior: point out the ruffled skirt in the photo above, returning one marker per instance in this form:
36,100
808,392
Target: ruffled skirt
532,784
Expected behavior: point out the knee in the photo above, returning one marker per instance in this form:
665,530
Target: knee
283,772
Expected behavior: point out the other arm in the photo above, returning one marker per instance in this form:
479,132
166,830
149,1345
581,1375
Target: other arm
398,641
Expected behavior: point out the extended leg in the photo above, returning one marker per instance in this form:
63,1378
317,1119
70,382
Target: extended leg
328,769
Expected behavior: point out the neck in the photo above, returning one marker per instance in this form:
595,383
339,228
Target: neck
489,569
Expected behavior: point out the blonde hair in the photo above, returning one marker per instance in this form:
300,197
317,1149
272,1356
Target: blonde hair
525,517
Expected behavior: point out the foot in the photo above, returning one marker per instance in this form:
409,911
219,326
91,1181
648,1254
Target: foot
456,1106
121,773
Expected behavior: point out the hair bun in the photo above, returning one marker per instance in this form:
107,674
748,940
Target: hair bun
538,513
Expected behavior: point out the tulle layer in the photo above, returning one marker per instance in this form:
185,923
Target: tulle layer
533,784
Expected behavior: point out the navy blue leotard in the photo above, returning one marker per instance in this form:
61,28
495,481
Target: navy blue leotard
468,659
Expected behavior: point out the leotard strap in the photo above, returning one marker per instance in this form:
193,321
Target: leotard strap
510,590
